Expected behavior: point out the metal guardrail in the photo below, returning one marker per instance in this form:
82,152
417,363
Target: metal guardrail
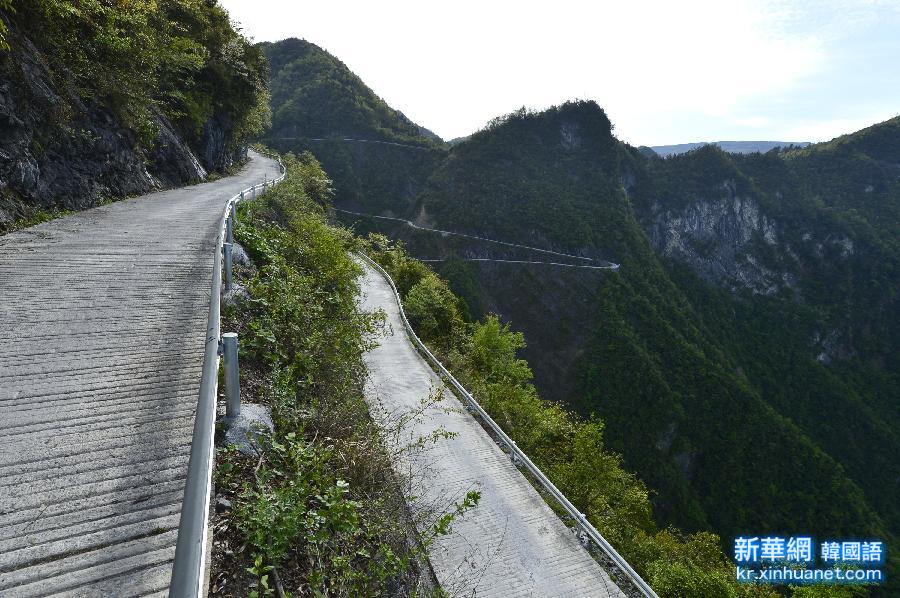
517,453
188,571
190,551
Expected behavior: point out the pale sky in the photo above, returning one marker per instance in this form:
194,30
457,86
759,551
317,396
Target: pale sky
665,71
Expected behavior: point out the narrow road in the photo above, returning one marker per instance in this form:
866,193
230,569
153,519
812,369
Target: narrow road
102,325
445,233
512,544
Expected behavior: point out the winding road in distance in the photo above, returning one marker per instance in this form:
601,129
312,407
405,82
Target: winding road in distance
605,265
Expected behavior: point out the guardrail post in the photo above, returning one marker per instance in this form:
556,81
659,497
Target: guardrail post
254,191
188,579
229,228
226,248
232,374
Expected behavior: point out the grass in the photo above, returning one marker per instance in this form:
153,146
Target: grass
37,216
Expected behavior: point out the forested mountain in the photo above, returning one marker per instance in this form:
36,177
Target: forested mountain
376,155
100,101
744,358
726,340
792,265
316,96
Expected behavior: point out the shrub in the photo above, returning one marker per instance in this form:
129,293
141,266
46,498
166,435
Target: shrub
181,57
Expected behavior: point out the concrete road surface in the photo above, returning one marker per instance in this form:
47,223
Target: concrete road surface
512,544
102,324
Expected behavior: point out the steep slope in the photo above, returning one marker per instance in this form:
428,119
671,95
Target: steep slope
807,242
686,412
749,335
99,102
377,157
315,95
677,351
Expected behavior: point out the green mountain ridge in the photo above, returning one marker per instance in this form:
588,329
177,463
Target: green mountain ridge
539,176
321,106
318,96
744,358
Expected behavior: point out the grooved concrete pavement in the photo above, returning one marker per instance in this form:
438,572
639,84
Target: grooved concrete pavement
512,544
102,325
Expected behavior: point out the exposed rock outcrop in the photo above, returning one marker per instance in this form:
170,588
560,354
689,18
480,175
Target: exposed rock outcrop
58,149
715,237
730,241
213,148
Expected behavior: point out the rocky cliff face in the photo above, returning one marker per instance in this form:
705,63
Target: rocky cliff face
58,149
212,146
716,238
730,241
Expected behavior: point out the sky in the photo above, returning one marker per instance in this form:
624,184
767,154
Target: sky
666,72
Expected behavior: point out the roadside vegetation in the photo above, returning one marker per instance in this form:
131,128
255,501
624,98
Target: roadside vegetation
38,216
698,382
320,510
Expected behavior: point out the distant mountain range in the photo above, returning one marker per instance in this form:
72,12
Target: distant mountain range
732,147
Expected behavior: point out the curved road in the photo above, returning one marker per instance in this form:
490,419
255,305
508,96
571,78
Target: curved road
512,544
102,324
411,224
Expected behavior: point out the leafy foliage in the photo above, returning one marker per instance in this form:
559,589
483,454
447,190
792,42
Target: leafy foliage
826,198
37,217
568,448
700,387
179,56
5,7
717,382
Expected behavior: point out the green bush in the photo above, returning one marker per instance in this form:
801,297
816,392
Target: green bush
432,309
181,57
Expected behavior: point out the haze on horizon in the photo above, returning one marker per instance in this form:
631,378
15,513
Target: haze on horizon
665,72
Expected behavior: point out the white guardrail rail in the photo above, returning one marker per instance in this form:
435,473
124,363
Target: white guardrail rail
189,570
579,517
